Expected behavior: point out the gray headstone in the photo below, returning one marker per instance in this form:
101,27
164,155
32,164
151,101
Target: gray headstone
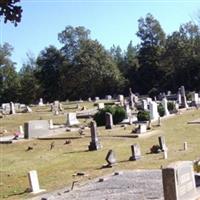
178,181
71,119
109,120
36,128
136,153
12,108
94,144
162,143
111,158
183,97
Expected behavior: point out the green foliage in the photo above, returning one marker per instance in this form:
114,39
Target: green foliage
143,115
171,106
153,92
161,110
117,112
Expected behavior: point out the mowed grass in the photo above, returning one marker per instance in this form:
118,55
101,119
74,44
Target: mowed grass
56,167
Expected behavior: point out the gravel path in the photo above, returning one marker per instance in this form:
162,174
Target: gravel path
134,185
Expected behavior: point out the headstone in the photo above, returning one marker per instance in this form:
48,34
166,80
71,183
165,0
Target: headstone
108,97
169,93
89,99
131,96
36,128
33,182
142,128
6,108
159,121
136,153
195,98
41,102
153,110
96,98
21,130
29,110
51,124
179,98
121,99
71,119
144,104
162,143
183,97
165,154
109,120
12,108
100,105
94,144
164,103
111,158
178,181
185,146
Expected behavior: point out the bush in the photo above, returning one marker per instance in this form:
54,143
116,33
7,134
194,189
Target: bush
161,110
117,112
153,92
171,106
143,115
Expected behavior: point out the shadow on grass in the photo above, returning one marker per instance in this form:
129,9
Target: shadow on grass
80,151
60,138
119,136
106,166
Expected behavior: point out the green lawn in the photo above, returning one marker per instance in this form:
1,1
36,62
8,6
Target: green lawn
56,167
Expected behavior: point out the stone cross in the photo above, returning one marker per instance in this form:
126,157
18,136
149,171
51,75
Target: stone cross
33,182
109,120
136,153
94,144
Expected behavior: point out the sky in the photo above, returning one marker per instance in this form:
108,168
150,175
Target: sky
110,22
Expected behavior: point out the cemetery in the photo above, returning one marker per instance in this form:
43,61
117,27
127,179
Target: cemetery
51,146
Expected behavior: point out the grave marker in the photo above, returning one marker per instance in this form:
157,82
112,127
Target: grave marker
136,153
109,120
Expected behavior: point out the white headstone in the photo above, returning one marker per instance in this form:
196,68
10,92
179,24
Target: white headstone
142,128
153,110
185,146
12,108
164,103
71,119
121,99
145,104
51,124
101,105
34,183
21,130
41,102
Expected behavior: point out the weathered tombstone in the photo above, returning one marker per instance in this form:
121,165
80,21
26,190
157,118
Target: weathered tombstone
71,119
153,110
12,108
21,130
100,105
165,154
131,102
36,128
94,144
41,102
162,143
183,97
136,153
164,103
121,99
179,98
51,124
109,120
111,158
89,99
108,97
29,110
195,98
178,181
96,98
144,104
142,128
6,108
33,182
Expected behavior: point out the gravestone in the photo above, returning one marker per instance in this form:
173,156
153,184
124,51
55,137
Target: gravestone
94,144
153,110
12,108
36,128
144,104
33,182
131,96
142,128
195,99
71,119
121,99
100,105
178,181
179,98
29,110
109,120
108,97
96,98
111,158
6,108
136,152
51,124
162,143
183,97
41,102
164,103
89,99
21,130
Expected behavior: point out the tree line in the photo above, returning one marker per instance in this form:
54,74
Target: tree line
83,68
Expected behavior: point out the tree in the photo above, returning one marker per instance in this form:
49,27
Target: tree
151,49
49,64
30,90
9,80
10,11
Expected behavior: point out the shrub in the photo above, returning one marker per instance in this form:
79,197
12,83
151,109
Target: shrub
143,115
153,92
117,112
161,110
171,106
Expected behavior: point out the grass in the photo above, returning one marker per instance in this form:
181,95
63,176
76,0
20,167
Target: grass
55,167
